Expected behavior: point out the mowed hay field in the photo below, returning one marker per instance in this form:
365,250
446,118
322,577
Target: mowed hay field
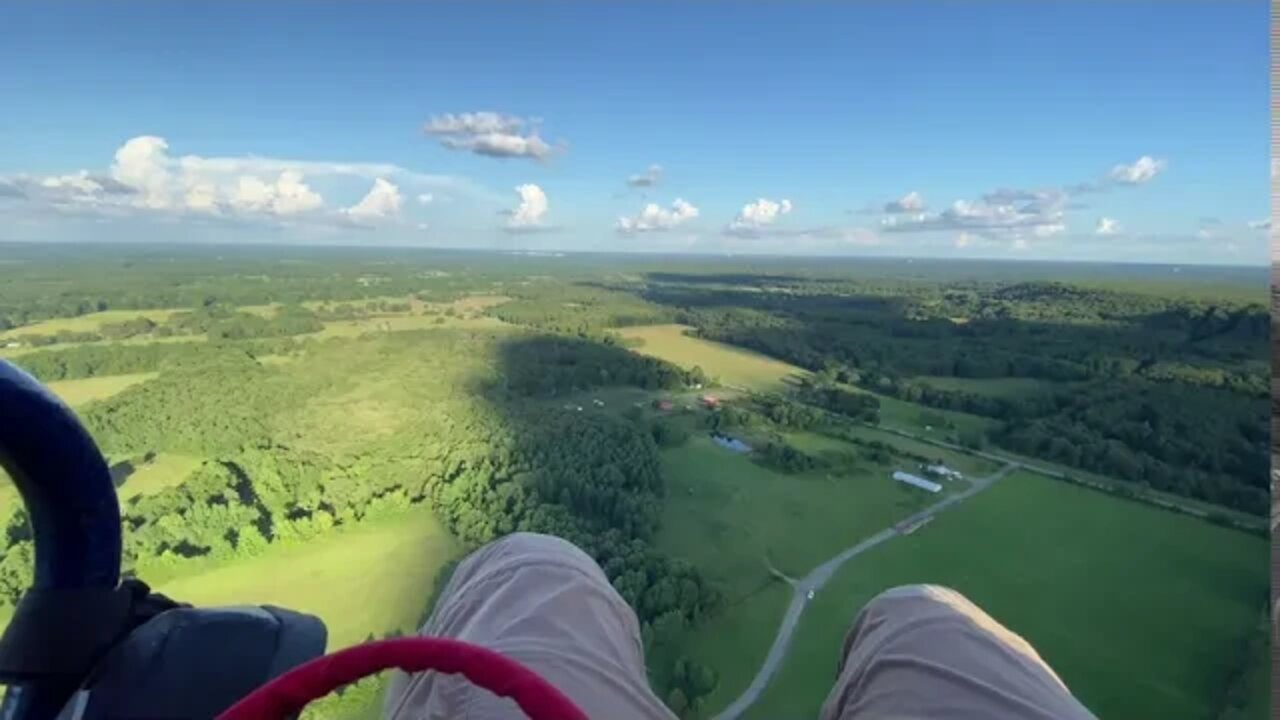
728,364
725,514
79,392
372,578
1141,611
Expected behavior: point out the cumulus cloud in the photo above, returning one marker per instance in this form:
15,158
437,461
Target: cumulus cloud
649,178
989,218
1106,226
1143,170
382,201
963,240
529,214
912,202
1260,224
426,198
654,218
758,215
489,133
145,178
288,194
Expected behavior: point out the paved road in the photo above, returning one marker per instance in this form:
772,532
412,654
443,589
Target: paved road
818,577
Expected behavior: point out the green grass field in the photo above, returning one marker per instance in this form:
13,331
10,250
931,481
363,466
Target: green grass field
730,365
1009,387
371,579
1139,610
165,470
725,514
79,392
971,466
397,323
86,323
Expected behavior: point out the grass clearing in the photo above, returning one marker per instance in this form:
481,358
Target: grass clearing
78,392
397,323
1095,583
371,579
92,322
968,464
164,471
1008,387
725,514
730,365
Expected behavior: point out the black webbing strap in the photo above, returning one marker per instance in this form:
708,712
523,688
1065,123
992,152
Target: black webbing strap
58,636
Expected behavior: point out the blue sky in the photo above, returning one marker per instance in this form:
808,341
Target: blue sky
1114,131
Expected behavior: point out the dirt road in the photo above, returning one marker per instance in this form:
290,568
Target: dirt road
819,577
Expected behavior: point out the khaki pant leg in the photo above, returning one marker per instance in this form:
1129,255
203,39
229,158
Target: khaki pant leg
544,602
923,651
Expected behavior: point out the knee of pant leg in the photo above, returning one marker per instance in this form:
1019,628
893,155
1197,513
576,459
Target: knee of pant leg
538,545
527,548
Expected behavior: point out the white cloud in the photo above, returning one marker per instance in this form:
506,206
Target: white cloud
1043,231
286,195
912,202
649,178
382,201
144,178
1143,170
653,218
426,199
489,133
1260,224
529,213
1106,226
1019,244
981,217
758,215
422,226
142,163
963,240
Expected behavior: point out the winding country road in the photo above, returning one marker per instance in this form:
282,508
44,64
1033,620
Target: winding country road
819,576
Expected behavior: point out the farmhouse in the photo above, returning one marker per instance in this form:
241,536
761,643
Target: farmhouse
915,481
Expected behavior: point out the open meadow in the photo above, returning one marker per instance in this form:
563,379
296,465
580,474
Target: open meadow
1095,583
372,579
79,392
729,365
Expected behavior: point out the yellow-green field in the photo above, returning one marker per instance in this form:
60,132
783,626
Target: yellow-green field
87,323
396,323
370,579
78,392
728,364
165,470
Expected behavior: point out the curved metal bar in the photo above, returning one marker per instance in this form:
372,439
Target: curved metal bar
71,501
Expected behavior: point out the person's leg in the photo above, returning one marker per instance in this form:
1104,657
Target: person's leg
545,603
923,651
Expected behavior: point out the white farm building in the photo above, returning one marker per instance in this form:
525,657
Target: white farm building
919,482
944,472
